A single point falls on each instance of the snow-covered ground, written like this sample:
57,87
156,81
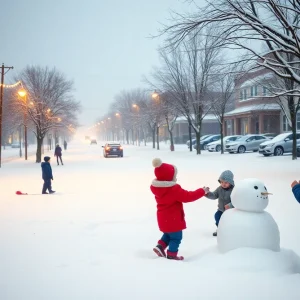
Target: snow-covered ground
10,153
93,239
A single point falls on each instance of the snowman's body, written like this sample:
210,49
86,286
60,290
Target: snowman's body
248,225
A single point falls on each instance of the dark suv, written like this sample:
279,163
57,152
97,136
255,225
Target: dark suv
93,141
112,149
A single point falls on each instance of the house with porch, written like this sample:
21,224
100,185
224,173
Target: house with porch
254,111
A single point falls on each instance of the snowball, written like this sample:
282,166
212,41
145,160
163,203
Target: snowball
238,229
250,195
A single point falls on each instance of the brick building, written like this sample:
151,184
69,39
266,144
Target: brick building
254,112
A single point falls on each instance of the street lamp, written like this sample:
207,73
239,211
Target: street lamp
138,129
155,96
23,94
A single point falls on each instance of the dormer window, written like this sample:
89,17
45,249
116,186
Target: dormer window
265,91
254,91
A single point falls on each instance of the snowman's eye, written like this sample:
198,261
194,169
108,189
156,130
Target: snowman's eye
256,187
265,188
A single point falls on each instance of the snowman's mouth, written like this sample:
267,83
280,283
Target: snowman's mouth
266,193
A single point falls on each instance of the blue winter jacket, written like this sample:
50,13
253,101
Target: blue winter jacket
46,171
296,191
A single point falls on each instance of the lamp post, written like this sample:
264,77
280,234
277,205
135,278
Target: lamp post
20,140
23,94
119,126
156,97
138,128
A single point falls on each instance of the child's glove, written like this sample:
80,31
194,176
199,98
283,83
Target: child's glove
228,206
206,190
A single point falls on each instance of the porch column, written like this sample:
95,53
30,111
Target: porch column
261,123
249,129
235,126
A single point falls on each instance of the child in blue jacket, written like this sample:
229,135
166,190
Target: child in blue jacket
296,189
47,175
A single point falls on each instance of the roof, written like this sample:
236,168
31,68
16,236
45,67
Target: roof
208,117
256,80
254,107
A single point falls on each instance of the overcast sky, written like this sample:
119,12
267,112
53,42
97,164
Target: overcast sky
104,46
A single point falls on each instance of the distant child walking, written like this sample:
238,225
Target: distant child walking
58,154
170,215
223,193
47,175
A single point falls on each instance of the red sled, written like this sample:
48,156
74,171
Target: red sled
20,193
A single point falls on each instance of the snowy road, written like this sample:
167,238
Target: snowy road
93,239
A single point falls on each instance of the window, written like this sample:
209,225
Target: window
298,120
259,137
241,95
265,91
245,94
253,91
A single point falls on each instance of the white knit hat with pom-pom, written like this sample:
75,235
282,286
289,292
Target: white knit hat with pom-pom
163,171
156,162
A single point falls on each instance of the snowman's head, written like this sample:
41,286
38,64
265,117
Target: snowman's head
250,195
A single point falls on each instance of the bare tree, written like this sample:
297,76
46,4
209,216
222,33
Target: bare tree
223,98
273,22
186,76
284,90
170,113
50,103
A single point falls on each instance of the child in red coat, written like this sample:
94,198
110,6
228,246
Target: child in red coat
170,215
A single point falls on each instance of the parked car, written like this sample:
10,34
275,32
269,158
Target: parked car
93,141
204,142
282,143
249,142
216,146
112,149
194,140
15,145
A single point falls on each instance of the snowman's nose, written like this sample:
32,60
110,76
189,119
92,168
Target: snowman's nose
266,193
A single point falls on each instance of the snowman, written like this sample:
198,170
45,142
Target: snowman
248,225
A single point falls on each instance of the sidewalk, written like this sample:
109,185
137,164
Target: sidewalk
8,154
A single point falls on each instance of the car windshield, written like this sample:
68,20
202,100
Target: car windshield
243,138
280,137
204,137
114,145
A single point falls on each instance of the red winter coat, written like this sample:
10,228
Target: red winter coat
170,214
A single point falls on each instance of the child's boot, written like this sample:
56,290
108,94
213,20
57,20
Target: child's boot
215,233
160,248
173,255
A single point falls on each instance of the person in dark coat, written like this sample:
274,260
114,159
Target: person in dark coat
170,197
65,145
58,154
47,175
296,189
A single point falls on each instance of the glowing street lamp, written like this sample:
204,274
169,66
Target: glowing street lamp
155,95
23,94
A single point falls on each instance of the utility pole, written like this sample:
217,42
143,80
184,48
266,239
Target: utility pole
3,68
